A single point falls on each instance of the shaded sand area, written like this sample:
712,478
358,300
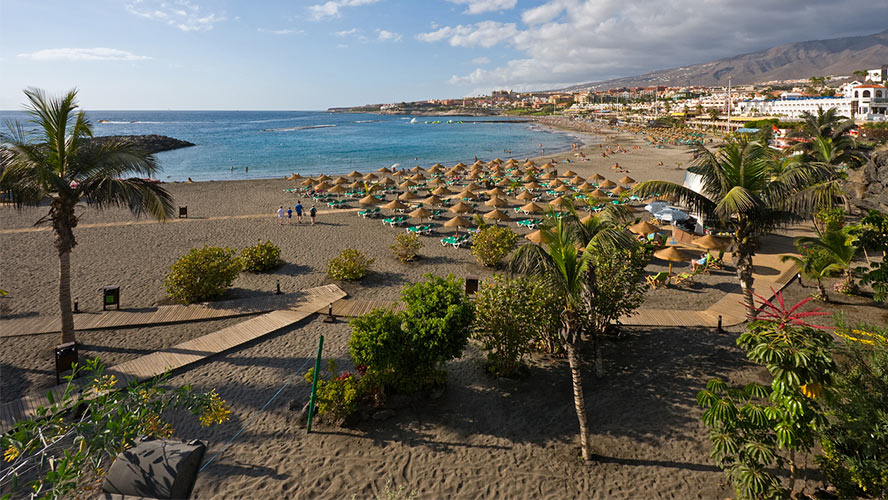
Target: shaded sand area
484,437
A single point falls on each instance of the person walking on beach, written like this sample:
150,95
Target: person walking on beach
312,213
289,215
281,215
298,209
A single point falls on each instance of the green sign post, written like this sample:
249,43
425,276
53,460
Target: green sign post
314,384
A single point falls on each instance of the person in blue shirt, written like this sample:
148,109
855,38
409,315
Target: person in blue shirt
312,213
298,209
289,215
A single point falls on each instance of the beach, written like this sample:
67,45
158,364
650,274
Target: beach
483,438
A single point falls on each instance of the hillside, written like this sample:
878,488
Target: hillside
837,56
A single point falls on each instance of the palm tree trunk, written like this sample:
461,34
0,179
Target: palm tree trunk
822,290
744,273
579,399
65,296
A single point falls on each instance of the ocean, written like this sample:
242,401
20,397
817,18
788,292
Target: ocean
269,144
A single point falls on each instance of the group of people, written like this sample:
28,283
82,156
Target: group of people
298,208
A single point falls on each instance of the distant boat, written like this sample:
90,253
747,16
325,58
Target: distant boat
413,120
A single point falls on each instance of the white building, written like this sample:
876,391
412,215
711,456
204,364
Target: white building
860,102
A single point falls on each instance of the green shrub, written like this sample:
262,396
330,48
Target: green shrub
511,315
202,274
351,264
260,257
407,349
855,439
406,246
339,395
492,244
830,219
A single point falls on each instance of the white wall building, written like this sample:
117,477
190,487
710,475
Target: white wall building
860,102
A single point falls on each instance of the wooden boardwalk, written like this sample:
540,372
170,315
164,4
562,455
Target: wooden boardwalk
351,308
310,301
176,313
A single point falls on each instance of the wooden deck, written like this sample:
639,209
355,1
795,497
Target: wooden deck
351,308
44,324
309,302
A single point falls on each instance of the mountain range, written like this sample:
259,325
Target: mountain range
801,60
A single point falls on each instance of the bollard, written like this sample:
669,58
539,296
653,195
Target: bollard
76,306
278,292
330,318
799,276
314,384
719,323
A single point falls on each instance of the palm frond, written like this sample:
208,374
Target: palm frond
140,196
697,202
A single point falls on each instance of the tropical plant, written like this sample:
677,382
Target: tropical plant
492,244
260,257
60,162
829,219
406,350
872,233
202,274
67,446
565,265
814,264
837,247
510,316
855,438
406,246
741,192
876,276
752,424
339,394
350,264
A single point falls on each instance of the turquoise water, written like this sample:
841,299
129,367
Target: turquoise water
278,143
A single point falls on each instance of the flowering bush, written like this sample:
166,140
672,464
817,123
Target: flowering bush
339,395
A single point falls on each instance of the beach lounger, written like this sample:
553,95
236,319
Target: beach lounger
657,280
395,221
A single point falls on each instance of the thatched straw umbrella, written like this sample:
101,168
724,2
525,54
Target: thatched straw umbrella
495,192
356,185
458,222
671,254
337,189
525,195
568,173
416,169
388,181
643,228
530,186
619,190
465,193
461,208
710,242
564,188
548,176
406,184
370,177
532,208
588,218
323,186
598,194
472,187
355,174
442,191
559,202
529,163
586,186
417,177
340,180
307,182
460,165
421,213
596,178
407,196
606,184
504,182
294,177
535,237
384,170
496,202
577,180
627,180
432,200
369,200
497,215
528,178
437,168
323,177
394,205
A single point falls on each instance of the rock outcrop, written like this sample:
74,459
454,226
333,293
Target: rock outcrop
151,143
868,186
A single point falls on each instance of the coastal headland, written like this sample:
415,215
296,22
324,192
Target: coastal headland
151,143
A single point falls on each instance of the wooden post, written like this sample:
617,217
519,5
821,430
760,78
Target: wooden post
314,384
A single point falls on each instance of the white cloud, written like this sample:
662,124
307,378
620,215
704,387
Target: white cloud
281,32
345,33
482,6
385,35
563,42
480,60
332,8
182,14
93,54
484,34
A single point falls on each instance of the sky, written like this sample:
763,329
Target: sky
315,54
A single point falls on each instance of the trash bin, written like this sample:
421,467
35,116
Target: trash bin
155,468
183,212
110,297
65,356
471,285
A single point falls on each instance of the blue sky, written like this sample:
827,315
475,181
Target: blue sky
203,54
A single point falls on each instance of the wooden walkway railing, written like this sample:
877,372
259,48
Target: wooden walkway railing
310,301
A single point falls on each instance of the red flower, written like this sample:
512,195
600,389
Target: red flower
783,316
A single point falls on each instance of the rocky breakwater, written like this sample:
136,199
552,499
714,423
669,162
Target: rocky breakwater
150,143
868,186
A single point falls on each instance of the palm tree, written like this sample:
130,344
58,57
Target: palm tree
564,262
741,191
814,266
824,144
60,163
838,248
